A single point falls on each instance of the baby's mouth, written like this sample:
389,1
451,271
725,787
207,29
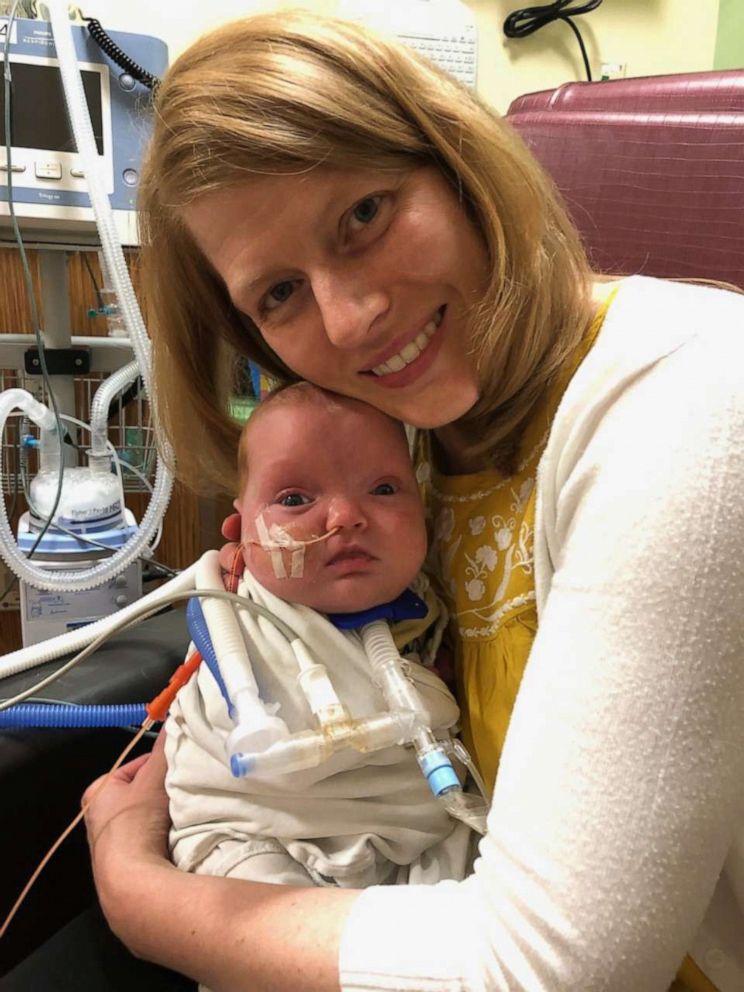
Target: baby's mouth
350,554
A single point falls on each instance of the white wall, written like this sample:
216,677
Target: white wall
650,36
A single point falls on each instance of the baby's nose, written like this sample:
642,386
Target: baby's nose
346,513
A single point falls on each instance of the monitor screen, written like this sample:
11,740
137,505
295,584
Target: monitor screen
38,110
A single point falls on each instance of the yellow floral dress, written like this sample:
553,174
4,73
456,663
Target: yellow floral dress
482,530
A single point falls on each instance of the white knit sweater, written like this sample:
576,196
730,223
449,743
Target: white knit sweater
621,787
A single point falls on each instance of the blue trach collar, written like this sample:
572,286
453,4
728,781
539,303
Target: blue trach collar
407,606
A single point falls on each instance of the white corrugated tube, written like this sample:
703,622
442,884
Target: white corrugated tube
74,640
99,408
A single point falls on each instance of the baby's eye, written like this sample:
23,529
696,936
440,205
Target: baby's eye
278,294
293,499
364,212
385,489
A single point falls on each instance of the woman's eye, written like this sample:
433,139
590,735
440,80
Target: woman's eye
293,499
278,294
385,489
364,212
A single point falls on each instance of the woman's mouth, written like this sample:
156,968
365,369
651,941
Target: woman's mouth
413,350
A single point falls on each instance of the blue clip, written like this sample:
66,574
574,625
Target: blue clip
407,606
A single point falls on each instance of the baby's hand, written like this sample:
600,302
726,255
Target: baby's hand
232,564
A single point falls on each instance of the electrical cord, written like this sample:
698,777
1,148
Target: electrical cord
107,44
526,20
91,273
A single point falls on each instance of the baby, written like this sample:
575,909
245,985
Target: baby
332,524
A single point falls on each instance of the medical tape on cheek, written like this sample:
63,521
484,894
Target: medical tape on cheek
275,540
297,558
277,562
297,563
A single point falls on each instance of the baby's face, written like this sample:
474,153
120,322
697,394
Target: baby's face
312,469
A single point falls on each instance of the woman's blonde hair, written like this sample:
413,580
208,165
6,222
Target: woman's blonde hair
285,93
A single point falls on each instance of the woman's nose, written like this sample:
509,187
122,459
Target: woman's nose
350,307
345,513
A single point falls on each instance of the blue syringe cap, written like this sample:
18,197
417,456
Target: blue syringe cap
241,764
440,774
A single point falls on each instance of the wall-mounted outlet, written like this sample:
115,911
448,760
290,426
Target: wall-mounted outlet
612,70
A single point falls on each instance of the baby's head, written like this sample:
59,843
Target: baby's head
313,464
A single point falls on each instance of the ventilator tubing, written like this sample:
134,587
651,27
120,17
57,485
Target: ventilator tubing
79,580
406,722
75,640
261,742
99,408
65,715
310,748
256,727
401,695
431,753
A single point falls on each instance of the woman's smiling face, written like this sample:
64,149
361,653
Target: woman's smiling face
361,282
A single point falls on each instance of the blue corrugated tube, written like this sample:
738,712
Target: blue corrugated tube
54,715
199,631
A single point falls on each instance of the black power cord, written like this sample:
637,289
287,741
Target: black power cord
92,275
527,20
107,44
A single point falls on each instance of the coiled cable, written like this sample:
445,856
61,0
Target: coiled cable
525,21
107,44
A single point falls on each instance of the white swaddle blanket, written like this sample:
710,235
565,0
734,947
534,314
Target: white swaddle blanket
356,820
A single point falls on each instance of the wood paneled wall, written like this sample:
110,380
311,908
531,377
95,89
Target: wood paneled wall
191,524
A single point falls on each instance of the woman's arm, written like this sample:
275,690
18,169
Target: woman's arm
228,934
620,787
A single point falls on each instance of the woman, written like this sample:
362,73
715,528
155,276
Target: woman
325,203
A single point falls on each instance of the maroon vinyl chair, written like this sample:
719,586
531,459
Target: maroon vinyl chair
651,169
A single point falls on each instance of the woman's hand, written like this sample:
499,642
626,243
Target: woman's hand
226,933
127,823
232,563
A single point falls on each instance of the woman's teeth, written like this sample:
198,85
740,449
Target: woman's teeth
411,351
